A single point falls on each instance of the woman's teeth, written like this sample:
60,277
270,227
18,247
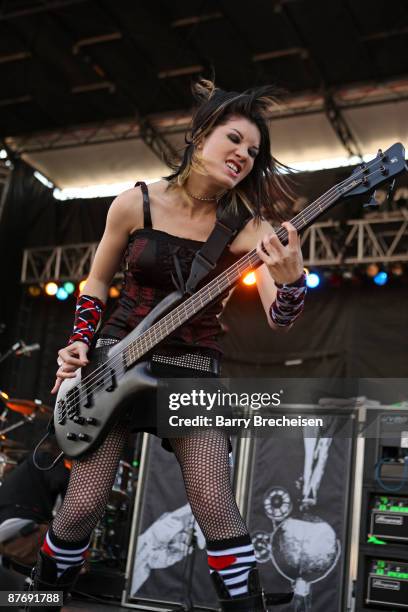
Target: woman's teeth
233,167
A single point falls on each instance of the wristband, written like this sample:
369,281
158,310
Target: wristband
300,282
88,313
289,302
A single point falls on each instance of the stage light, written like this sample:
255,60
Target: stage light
34,290
61,294
381,278
4,395
114,292
43,179
82,285
397,269
249,279
372,269
51,288
69,287
312,280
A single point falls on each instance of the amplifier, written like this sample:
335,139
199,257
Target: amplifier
387,583
389,517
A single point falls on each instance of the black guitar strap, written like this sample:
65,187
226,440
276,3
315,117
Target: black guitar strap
226,227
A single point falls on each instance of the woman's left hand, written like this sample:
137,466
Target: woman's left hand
285,263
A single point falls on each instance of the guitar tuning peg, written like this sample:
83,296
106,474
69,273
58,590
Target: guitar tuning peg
373,202
381,155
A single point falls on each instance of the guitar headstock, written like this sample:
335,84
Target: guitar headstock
383,168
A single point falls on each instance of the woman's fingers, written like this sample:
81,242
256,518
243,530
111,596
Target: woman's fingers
293,236
56,386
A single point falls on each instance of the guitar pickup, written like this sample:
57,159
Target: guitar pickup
88,403
72,402
113,383
61,412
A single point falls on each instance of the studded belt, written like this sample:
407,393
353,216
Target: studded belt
192,361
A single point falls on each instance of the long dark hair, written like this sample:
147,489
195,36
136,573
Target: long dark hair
266,190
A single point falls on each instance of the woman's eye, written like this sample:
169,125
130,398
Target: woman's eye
233,137
253,153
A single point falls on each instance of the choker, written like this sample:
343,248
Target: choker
202,199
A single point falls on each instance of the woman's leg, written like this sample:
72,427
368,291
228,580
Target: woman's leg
66,542
204,462
89,487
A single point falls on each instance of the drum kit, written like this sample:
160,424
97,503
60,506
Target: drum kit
16,413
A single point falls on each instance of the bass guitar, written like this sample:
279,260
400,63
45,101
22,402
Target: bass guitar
86,406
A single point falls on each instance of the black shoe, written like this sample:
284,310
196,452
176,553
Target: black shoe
255,601
45,578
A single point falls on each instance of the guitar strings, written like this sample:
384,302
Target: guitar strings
93,380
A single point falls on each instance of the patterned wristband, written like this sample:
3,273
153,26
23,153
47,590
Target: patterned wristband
289,303
88,313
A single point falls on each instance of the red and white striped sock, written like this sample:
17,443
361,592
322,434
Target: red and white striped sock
65,554
232,558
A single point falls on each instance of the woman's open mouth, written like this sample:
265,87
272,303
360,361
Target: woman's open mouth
233,167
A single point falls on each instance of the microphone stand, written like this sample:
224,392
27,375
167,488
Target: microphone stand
13,349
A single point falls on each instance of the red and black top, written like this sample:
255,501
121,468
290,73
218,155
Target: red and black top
149,267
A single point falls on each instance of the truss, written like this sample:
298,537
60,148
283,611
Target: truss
331,243
178,122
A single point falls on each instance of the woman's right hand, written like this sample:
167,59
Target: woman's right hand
70,358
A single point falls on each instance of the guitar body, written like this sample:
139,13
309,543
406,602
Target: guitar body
87,406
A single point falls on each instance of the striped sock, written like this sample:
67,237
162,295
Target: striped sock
232,558
65,554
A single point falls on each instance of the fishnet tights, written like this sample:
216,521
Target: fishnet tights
90,484
203,458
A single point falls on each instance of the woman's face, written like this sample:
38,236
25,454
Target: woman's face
228,153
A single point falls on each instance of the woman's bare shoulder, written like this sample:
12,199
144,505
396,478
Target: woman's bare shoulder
126,210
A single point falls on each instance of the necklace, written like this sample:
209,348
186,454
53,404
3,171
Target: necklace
202,199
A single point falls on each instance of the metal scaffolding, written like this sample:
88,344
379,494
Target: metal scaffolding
381,239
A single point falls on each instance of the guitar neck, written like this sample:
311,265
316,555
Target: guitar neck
225,281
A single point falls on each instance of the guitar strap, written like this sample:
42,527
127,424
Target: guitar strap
226,227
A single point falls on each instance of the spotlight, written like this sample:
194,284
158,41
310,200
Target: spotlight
61,294
372,269
51,288
34,290
312,280
381,278
249,279
114,292
397,269
82,285
69,287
